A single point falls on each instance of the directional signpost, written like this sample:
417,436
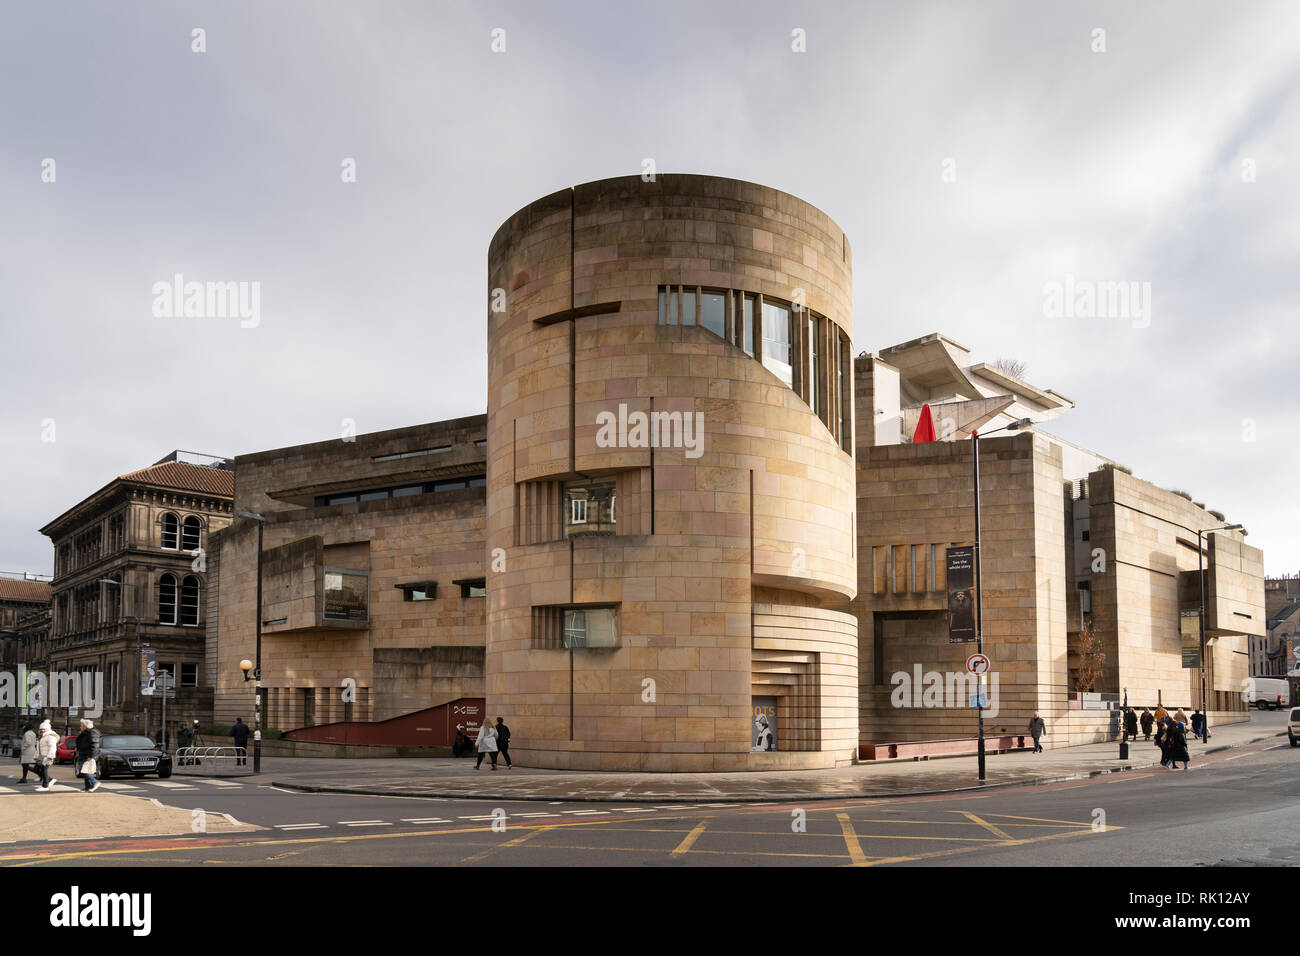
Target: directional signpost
979,664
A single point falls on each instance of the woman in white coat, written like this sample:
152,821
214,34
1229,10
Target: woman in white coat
47,750
487,745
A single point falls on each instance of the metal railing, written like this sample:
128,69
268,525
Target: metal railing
212,761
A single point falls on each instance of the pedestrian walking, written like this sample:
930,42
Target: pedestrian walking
1161,714
4,744
47,751
1180,717
1178,746
487,745
239,733
1162,729
27,752
1146,720
1130,723
1037,728
503,741
1198,723
88,754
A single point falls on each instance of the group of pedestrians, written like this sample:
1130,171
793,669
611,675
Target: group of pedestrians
39,749
491,741
1170,731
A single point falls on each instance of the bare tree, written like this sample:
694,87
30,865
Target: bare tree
1091,658
1013,367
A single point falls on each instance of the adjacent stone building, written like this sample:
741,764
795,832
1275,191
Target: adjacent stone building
373,574
129,579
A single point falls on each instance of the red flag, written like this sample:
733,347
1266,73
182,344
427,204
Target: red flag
925,427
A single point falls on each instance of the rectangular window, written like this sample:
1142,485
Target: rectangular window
189,675
814,365
776,341
589,627
420,591
372,495
347,595
413,454
472,587
747,326
713,313
846,396
407,491
1085,534
688,308
667,305
589,506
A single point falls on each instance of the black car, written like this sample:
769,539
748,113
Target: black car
122,754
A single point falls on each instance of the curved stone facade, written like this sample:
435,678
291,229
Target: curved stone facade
671,518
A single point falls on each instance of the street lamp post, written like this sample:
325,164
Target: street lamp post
979,577
1200,572
257,664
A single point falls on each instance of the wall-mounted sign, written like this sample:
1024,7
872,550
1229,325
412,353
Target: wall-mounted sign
961,595
347,595
1189,626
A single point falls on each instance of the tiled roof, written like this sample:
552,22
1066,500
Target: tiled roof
186,477
37,592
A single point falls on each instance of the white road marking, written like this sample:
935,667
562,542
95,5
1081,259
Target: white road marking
636,810
536,814
424,820
490,816
216,783
363,823
587,813
301,826
112,785
168,785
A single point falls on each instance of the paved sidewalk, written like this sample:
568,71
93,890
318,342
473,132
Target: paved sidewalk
457,778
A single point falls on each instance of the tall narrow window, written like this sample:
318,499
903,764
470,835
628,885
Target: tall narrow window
167,599
747,326
713,313
578,508
688,308
846,395
813,366
170,532
190,601
190,534
776,341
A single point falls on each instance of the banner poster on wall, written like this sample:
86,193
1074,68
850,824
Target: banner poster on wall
961,595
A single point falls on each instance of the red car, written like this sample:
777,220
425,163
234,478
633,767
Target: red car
67,750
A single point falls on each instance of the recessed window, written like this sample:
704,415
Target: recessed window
170,532
190,534
472,587
372,495
589,627
419,591
688,308
413,454
408,490
167,599
1085,534
713,313
747,326
189,675
814,364
776,342
590,506
190,601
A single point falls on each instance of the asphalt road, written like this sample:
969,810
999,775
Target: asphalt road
1235,808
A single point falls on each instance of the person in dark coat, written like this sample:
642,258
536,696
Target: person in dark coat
1162,729
1036,729
1177,746
1130,723
239,733
1147,720
87,750
503,741
1198,723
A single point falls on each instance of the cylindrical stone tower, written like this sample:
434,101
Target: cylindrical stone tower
671,493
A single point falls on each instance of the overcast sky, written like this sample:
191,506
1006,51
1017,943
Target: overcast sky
1170,158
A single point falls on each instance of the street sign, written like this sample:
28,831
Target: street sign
979,700
978,664
1297,652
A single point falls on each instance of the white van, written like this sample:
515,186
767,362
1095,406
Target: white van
1268,693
